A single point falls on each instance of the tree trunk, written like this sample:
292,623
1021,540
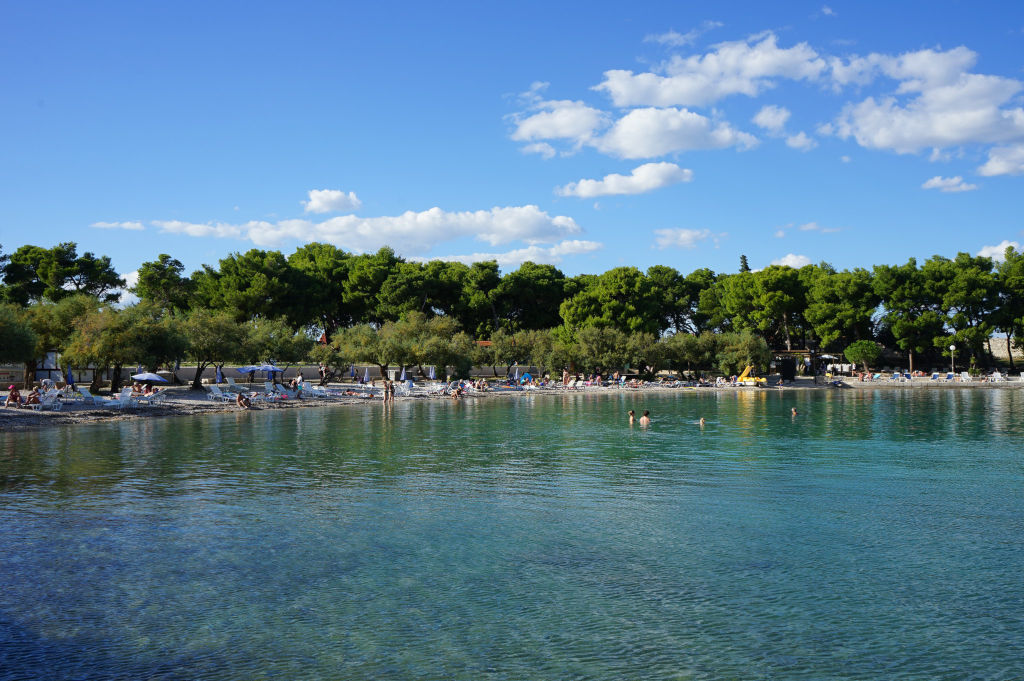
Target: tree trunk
910,359
785,326
115,379
1009,351
30,374
197,381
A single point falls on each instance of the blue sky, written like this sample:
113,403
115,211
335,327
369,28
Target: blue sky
587,135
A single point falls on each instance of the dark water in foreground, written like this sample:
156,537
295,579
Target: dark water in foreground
874,536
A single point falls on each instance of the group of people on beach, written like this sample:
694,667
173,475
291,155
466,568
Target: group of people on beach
14,398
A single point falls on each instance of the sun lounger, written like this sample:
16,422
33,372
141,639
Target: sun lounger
949,376
87,396
218,395
51,400
153,399
232,386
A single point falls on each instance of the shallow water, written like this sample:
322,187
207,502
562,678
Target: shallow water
874,535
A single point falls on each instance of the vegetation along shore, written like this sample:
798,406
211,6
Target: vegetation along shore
323,305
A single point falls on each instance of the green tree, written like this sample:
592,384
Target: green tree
322,270
530,297
33,273
1009,310
622,298
160,282
841,306
277,342
912,308
214,337
863,352
737,350
17,339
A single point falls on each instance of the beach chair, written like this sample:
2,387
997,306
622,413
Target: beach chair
51,400
314,391
935,376
998,377
965,377
950,376
232,386
155,399
218,395
87,396
124,400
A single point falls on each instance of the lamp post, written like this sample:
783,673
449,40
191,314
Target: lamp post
952,359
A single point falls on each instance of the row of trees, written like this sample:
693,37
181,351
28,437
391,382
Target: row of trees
915,309
87,331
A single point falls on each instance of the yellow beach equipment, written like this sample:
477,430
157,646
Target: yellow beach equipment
746,379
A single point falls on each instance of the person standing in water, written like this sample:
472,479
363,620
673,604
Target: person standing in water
793,411
645,420
632,416
701,421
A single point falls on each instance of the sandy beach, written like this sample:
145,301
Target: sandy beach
182,401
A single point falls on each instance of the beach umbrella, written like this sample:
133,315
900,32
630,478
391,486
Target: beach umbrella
70,378
148,377
402,377
352,371
432,374
219,376
516,376
366,375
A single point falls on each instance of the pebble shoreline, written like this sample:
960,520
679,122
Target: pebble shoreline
181,401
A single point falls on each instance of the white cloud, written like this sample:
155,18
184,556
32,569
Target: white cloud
998,252
683,238
772,118
645,178
648,133
134,226
791,260
828,11
127,297
674,39
844,159
542,148
567,120
745,67
949,184
331,201
937,102
801,141
815,227
410,232
1004,161
546,255
780,233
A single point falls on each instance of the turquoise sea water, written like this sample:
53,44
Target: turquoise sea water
873,536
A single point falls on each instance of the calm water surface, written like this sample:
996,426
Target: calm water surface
873,536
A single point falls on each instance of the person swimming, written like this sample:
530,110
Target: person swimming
632,416
793,411
645,420
701,422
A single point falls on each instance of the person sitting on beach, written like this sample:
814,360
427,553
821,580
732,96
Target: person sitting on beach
13,397
33,397
136,388
645,420
243,401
